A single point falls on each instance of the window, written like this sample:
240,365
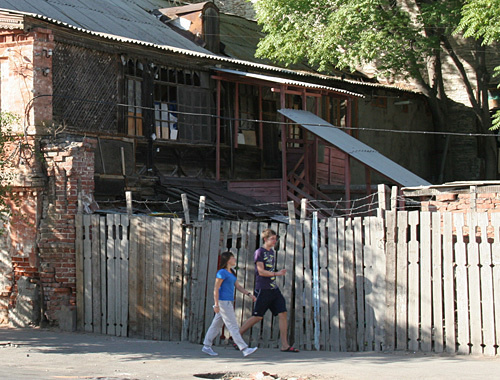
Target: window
165,101
133,83
179,108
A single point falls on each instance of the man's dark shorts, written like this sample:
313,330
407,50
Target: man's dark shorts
271,299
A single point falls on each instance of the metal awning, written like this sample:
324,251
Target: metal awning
289,82
354,148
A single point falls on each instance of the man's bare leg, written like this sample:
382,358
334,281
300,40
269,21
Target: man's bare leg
249,323
283,323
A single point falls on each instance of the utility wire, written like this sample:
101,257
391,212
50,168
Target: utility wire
257,121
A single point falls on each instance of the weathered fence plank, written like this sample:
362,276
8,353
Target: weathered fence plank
324,284
104,277
390,275
111,274
299,288
80,271
333,290
378,235
448,283
341,283
87,277
369,283
462,291
158,242
133,274
413,282
402,282
359,282
253,241
425,283
495,249
474,286
487,313
96,275
437,284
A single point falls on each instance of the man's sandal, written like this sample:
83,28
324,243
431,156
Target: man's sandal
290,349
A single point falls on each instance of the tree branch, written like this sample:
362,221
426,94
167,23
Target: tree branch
458,64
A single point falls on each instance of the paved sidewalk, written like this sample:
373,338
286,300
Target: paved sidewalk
49,354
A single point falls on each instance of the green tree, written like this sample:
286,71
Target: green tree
481,20
7,121
404,39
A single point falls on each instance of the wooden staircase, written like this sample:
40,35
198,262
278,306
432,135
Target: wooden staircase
299,188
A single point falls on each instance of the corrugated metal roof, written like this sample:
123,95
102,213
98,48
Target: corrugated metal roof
354,148
130,20
290,82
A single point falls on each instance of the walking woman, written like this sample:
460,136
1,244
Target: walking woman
225,282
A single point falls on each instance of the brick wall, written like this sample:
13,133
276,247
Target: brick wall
70,171
463,202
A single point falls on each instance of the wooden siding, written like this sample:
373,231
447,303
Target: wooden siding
268,191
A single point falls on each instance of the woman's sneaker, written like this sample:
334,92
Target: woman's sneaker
208,350
248,351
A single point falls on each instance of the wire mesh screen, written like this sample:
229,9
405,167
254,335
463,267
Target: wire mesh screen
85,89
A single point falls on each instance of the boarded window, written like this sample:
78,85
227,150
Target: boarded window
194,121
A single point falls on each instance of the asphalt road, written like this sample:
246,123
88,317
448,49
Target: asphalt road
51,354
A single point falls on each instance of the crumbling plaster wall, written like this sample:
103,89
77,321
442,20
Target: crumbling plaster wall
26,76
37,249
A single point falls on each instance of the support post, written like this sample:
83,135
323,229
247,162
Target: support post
185,206
201,209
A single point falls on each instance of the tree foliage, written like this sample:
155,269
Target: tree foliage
347,34
402,39
481,20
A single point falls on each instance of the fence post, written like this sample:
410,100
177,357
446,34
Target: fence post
394,198
291,212
303,210
128,197
187,269
315,260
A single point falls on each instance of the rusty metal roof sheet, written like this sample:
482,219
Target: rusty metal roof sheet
354,148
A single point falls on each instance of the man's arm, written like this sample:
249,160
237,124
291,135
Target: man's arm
266,273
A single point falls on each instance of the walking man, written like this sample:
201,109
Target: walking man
266,290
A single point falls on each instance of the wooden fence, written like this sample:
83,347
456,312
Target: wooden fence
417,281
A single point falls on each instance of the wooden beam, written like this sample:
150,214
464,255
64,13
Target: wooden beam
283,148
217,149
236,114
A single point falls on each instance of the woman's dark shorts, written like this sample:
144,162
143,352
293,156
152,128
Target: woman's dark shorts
271,299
